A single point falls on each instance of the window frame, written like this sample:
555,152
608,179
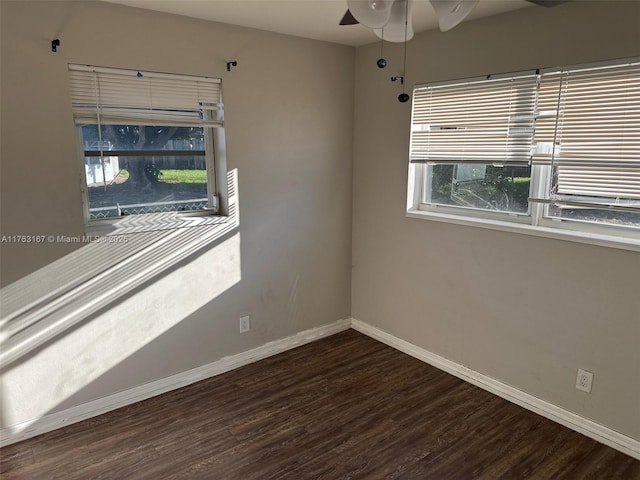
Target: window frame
216,172
537,222
487,214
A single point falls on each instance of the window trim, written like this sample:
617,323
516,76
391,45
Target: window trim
621,243
501,221
218,197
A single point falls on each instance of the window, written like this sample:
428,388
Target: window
151,142
558,149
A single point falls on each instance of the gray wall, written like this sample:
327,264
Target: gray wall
527,311
289,109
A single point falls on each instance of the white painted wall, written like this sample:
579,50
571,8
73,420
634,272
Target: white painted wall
289,109
526,311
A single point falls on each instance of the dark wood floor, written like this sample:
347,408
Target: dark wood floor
345,407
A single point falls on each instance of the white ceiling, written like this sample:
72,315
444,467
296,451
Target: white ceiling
315,19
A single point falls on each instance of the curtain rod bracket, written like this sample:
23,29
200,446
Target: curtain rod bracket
393,79
233,63
55,44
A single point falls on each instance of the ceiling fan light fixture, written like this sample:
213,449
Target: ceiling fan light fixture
371,13
451,12
394,30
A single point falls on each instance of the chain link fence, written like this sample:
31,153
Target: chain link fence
141,208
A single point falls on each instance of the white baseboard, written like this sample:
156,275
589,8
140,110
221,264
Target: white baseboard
53,421
598,432
47,423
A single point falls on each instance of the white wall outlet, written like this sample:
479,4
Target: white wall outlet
584,380
245,324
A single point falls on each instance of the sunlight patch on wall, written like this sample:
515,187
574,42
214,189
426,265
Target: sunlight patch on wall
38,384
53,299
72,321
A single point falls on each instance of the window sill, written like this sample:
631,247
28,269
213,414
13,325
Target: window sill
152,222
623,243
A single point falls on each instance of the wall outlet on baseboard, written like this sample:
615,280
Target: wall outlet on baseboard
245,324
584,380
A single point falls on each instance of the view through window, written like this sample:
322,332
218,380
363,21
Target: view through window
144,169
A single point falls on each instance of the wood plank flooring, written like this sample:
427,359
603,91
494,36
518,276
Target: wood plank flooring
345,407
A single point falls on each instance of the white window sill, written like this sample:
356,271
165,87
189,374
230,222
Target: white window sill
152,222
623,243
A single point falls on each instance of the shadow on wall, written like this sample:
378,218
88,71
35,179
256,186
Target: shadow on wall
137,289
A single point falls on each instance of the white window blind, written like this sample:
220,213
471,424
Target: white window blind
588,129
488,121
117,96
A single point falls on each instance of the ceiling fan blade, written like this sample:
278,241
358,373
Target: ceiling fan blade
348,19
451,12
548,3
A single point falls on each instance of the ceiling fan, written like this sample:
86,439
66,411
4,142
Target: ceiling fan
548,3
387,17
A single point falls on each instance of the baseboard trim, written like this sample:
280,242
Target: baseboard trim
24,430
564,417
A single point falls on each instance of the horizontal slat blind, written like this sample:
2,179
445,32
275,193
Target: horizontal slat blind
483,121
589,130
598,117
599,181
129,96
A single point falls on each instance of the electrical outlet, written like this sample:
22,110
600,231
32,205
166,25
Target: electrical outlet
245,324
584,380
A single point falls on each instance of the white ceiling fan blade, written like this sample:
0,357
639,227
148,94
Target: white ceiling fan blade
451,12
371,13
394,29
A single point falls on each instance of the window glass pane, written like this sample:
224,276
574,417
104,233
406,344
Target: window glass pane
589,185
486,187
140,137
148,184
137,184
597,215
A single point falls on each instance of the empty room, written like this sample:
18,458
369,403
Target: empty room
320,239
